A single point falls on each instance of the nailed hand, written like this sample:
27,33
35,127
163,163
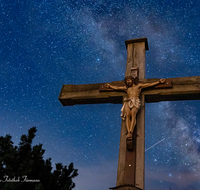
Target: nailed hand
107,85
162,80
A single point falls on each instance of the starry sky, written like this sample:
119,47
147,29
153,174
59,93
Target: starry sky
47,43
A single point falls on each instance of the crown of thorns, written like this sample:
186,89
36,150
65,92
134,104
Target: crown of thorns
128,77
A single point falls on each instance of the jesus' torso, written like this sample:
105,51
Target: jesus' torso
134,91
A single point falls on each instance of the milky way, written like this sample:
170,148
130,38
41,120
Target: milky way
45,44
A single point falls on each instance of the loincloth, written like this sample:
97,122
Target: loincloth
131,102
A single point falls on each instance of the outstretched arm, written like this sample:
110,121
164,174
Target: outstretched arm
116,87
161,81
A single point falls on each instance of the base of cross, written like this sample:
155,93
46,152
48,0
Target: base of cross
125,187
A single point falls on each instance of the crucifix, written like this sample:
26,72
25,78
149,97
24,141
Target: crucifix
132,103
130,174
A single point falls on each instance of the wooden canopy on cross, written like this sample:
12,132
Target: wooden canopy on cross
130,174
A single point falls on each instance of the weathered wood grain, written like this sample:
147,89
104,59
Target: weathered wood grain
184,88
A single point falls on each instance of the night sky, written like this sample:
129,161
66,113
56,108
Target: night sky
47,43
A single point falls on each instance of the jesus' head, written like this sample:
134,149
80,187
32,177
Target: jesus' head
129,80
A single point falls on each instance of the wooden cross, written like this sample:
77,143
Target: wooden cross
130,175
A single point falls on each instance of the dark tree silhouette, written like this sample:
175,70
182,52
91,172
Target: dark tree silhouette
23,167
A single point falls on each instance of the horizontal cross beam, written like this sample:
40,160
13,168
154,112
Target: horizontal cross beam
185,88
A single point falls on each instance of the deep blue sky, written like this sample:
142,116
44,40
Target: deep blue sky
47,43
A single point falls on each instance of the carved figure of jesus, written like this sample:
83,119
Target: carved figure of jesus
132,103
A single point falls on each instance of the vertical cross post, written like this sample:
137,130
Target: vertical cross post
130,174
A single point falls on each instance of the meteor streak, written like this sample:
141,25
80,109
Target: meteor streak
155,144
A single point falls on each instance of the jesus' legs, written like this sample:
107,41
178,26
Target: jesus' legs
133,112
128,118
128,121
